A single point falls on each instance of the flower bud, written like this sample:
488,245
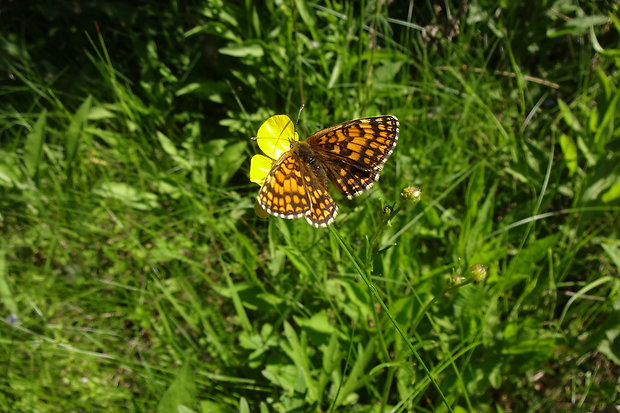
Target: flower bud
456,279
411,194
478,273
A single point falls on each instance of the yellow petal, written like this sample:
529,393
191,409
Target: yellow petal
260,166
275,134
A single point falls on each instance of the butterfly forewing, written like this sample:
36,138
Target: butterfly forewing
364,143
284,192
354,152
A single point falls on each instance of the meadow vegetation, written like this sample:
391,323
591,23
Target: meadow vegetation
136,276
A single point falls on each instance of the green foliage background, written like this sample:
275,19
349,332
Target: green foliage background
135,275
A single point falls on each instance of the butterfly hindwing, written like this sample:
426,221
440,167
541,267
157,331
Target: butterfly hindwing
323,208
284,192
350,180
292,190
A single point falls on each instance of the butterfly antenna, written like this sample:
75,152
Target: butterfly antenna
297,121
299,114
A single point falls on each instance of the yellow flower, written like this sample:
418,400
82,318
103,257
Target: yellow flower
274,138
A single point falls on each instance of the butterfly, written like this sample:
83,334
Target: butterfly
294,175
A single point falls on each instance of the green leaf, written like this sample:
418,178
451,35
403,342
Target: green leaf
612,193
180,394
171,150
584,149
189,88
304,10
610,346
495,377
386,73
357,375
33,150
593,120
336,71
475,189
578,26
612,249
10,175
207,406
318,323
569,149
607,124
229,160
167,144
6,296
581,24
605,176
74,133
102,112
468,238
282,375
569,117
296,348
605,83
525,262
244,407
127,195
332,353
243,50
74,136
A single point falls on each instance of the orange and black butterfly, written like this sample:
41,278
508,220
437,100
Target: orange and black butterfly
350,155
